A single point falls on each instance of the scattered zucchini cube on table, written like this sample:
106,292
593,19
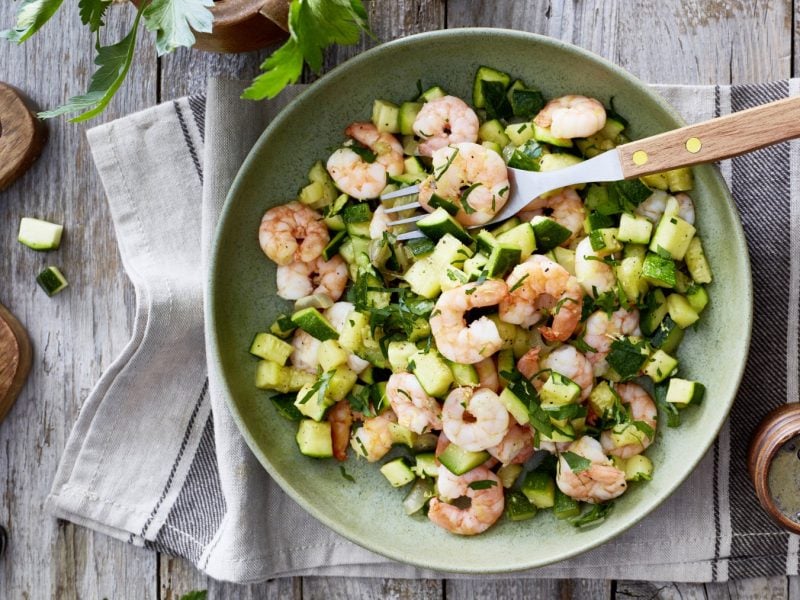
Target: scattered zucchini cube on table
39,235
52,281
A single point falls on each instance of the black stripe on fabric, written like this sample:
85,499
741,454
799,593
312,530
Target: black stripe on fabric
188,139
717,528
197,104
177,462
761,185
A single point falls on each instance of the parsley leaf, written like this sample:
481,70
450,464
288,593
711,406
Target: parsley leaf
673,415
173,21
482,484
313,26
114,62
359,401
31,15
466,205
284,405
577,463
346,475
524,390
320,386
596,514
365,153
92,12
627,357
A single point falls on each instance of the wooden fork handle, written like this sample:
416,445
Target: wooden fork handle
713,140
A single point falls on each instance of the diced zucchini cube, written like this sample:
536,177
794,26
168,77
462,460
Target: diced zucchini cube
660,366
658,270
672,236
508,474
518,507
522,237
629,276
399,352
352,336
312,403
602,399
272,376
269,347
697,297
492,131
315,324
558,390
634,229
452,277
408,114
402,435
604,241
385,116
539,488
680,180
507,331
450,251
331,355
565,257
548,233
426,465
565,507
464,375
681,311
556,162
432,372
638,468
39,235
683,392
656,181
696,262
519,133
423,278
314,439
543,134
515,406
458,461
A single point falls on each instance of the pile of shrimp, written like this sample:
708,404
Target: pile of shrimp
539,296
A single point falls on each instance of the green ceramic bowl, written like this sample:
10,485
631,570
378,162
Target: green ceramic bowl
242,297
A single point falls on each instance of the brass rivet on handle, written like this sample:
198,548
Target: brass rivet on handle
639,158
693,145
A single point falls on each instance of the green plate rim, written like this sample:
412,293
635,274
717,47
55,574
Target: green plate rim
211,323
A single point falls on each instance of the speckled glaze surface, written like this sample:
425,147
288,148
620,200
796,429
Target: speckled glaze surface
242,301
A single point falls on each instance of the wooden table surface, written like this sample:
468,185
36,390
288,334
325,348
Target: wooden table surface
667,41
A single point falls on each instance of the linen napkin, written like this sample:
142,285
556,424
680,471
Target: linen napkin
156,459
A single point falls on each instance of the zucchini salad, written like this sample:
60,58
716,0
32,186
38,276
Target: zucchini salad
514,368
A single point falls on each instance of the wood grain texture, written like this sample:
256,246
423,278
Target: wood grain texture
47,559
532,589
15,359
717,139
765,588
355,588
22,135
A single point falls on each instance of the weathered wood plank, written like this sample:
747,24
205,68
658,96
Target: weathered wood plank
652,590
356,588
531,589
46,559
793,584
179,577
673,41
762,588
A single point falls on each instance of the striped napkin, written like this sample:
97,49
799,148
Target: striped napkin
155,458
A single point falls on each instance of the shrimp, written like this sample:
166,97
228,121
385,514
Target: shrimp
565,207
474,419
600,482
642,409
355,176
595,276
572,117
487,374
379,223
537,284
318,276
567,361
444,121
337,315
656,204
374,438
486,504
516,447
601,329
341,419
292,232
528,364
457,341
414,408
472,178
304,355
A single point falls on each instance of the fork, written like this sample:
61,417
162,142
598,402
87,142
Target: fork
705,142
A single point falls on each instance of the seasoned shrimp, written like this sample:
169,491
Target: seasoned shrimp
355,176
486,504
457,341
539,284
567,361
379,223
600,482
304,355
292,232
337,316
516,447
444,121
471,177
654,206
318,276
528,363
474,419
374,438
594,275
572,116
487,374
341,419
414,408
602,329
643,410
565,207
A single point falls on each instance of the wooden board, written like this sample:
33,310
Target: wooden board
22,135
15,359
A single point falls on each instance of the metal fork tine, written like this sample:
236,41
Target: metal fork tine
410,235
413,219
402,207
406,191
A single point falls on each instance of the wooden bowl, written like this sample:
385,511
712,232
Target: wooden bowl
243,25
777,428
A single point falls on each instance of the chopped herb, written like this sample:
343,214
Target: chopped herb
482,484
621,295
561,303
673,221
518,283
446,166
359,401
346,475
577,464
596,514
644,428
361,445
320,386
411,366
627,357
284,404
580,344
502,191
673,415
464,204
365,153
405,393
523,389
470,291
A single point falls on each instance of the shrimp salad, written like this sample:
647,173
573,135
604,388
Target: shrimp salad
510,369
